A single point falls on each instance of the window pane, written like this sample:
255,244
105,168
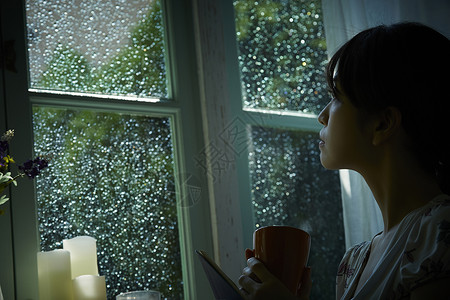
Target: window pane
290,187
111,176
110,47
282,54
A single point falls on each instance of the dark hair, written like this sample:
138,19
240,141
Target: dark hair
405,65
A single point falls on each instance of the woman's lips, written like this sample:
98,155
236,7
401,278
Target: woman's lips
321,141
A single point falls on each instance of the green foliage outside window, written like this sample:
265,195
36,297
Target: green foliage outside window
282,57
282,54
138,69
111,175
290,187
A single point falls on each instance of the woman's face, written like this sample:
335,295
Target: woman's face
345,138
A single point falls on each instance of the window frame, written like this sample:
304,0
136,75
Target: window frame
215,29
205,97
20,225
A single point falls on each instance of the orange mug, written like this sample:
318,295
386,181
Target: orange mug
284,250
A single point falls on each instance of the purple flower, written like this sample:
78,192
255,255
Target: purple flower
32,168
41,163
26,165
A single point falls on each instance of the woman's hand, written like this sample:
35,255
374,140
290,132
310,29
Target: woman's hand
257,283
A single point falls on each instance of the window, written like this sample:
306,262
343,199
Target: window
112,174
282,56
112,178
111,47
136,138
104,100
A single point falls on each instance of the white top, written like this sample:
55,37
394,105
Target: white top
419,252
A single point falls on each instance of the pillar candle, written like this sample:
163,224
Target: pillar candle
54,275
83,255
89,287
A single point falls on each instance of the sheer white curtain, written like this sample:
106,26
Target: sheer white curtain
343,19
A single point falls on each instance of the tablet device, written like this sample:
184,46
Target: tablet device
223,287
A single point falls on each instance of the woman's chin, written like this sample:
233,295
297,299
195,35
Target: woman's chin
327,163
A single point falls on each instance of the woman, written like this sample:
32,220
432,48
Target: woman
388,120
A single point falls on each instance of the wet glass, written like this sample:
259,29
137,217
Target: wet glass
282,54
111,176
290,187
282,57
108,47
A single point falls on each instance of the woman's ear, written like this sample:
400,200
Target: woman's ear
387,124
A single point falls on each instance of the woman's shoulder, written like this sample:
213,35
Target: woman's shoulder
426,253
440,205
428,231
416,226
433,220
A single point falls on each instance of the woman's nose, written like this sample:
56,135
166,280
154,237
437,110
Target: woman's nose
323,116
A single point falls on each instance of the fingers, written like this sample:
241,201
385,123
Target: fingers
247,284
248,272
267,288
258,268
250,280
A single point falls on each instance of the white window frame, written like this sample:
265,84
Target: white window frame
19,224
217,52
206,98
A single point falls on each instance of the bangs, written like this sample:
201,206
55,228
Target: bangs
356,66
